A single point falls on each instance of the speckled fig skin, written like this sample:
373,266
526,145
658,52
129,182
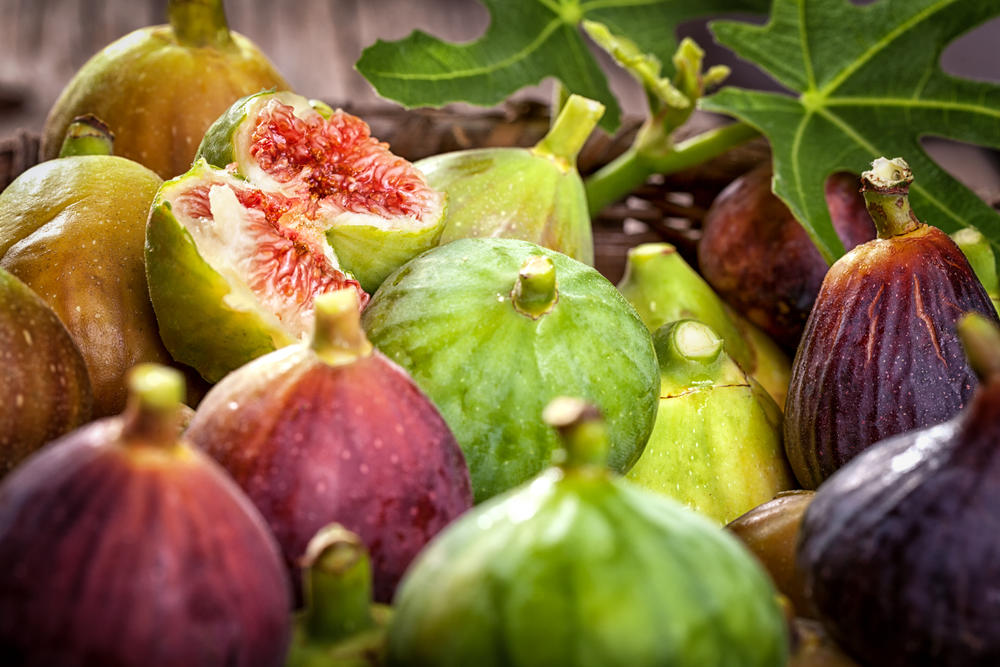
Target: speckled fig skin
44,386
899,548
759,258
357,443
121,549
880,354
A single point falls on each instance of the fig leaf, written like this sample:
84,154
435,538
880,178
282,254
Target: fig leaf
527,41
868,82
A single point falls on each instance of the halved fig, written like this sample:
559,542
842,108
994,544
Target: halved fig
375,207
233,269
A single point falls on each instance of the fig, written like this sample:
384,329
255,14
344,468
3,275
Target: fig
899,546
716,443
493,329
771,532
331,430
663,288
581,567
533,194
325,167
340,626
120,544
160,87
757,256
72,230
880,355
44,387
979,252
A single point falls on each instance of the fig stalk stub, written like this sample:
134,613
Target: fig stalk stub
337,585
981,339
536,290
337,335
582,430
152,414
886,187
87,135
569,132
198,23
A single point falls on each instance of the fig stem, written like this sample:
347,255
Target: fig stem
197,23
338,338
337,585
581,429
153,412
631,169
979,252
575,122
536,290
981,339
691,354
87,135
886,187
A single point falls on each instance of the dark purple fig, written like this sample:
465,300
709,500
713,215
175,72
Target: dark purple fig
758,257
812,646
899,548
122,545
44,386
771,532
880,354
333,431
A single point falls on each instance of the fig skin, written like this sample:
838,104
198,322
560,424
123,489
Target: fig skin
355,442
160,87
899,547
122,545
880,354
758,257
44,386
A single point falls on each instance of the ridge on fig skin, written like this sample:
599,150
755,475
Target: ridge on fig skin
880,354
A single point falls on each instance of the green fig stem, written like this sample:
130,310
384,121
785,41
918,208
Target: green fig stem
576,120
886,187
536,290
631,169
198,23
337,585
87,135
981,338
693,341
338,338
582,429
153,413
980,255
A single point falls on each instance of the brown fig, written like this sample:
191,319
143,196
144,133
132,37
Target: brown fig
44,387
758,257
771,532
880,354
899,547
122,545
333,431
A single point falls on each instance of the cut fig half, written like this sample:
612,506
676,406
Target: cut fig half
233,269
375,207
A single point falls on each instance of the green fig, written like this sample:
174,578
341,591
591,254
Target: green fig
340,626
581,567
663,288
44,387
72,229
160,87
533,194
980,254
716,443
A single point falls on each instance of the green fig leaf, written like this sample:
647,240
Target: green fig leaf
526,42
869,84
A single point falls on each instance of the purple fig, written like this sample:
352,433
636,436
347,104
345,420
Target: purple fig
122,545
333,431
880,354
